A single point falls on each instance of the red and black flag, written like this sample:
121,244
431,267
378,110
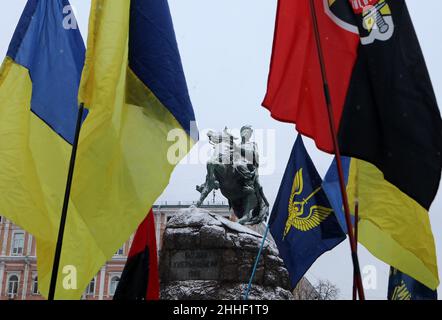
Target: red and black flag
139,280
391,117
384,108
295,86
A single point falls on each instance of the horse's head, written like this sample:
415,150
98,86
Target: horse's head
214,137
220,137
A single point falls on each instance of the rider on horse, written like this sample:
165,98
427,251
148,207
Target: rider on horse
237,167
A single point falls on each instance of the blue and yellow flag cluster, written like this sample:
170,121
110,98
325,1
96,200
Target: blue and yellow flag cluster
303,223
137,128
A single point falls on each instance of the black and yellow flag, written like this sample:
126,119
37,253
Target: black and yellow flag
392,129
391,118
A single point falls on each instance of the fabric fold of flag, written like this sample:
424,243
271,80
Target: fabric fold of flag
140,279
302,222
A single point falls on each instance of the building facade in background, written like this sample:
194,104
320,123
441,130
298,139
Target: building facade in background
18,260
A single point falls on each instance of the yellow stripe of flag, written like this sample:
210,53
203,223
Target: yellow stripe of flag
393,226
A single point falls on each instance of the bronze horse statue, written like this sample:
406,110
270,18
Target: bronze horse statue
233,169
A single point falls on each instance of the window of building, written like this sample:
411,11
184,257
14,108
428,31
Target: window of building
18,244
12,286
113,285
35,285
120,251
90,291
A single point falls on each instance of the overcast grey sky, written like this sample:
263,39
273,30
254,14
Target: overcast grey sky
225,47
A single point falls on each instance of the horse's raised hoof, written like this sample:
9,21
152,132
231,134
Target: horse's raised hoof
216,185
199,188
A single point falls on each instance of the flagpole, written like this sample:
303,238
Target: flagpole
249,286
64,211
356,239
351,238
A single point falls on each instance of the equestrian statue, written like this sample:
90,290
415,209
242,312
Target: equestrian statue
233,169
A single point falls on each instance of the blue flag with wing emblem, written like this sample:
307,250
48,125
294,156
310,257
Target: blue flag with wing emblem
303,223
404,287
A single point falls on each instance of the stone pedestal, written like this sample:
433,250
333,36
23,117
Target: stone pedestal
206,256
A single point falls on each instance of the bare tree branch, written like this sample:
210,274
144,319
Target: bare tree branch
324,290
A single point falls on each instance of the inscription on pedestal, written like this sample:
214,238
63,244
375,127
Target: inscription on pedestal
195,265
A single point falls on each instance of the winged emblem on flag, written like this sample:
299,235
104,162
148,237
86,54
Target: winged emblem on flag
401,292
297,205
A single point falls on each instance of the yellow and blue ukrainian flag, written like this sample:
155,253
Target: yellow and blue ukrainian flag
139,123
39,81
404,287
138,127
303,223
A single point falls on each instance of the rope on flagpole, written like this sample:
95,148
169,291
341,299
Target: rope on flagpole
64,211
333,131
258,256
